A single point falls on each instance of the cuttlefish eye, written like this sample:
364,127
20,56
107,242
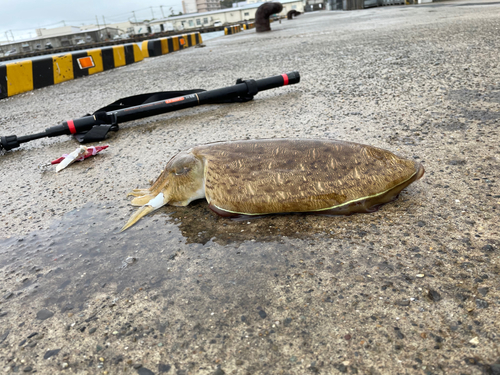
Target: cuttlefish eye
182,171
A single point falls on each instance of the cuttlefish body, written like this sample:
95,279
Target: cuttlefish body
269,176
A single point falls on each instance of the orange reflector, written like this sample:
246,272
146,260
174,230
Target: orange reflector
86,62
181,41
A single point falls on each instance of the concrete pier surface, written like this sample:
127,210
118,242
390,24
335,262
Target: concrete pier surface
410,289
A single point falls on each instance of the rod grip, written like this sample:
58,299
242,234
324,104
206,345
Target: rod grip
9,142
293,77
278,81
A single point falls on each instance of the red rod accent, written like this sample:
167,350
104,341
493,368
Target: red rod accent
285,79
71,126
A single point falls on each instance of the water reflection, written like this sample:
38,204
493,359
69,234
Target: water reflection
83,254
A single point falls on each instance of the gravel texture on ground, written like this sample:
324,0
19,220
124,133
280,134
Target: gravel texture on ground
412,288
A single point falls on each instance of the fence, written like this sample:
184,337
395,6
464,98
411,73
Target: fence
27,75
162,46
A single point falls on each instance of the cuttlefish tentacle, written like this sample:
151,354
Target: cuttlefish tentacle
142,200
153,203
139,192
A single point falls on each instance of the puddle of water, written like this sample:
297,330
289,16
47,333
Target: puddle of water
183,250
198,224
76,256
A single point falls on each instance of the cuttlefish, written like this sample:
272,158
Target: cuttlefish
270,176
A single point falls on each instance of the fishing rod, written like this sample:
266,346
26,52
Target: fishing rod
95,127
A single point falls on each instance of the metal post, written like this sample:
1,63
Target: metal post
105,31
98,29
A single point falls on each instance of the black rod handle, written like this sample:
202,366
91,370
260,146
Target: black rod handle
241,89
154,108
250,87
66,128
278,81
9,142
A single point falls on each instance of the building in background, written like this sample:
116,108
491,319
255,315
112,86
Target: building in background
68,36
189,6
125,27
59,37
313,5
57,31
199,6
240,4
228,16
207,5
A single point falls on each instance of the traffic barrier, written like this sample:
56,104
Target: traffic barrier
162,46
232,29
248,25
23,76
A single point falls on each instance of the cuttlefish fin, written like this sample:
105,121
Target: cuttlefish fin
153,203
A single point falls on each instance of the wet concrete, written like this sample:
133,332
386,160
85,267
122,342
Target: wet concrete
412,288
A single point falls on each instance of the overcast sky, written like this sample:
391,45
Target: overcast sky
24,16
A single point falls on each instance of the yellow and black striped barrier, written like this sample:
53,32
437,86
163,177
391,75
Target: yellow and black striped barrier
19,77
162,46
248,25
232,29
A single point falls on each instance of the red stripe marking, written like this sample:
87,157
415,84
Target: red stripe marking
285,79
71,126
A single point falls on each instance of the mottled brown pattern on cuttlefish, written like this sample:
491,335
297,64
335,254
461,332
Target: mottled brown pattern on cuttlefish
278,176
297,175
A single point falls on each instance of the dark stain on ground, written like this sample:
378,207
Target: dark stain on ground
83,252
198,224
